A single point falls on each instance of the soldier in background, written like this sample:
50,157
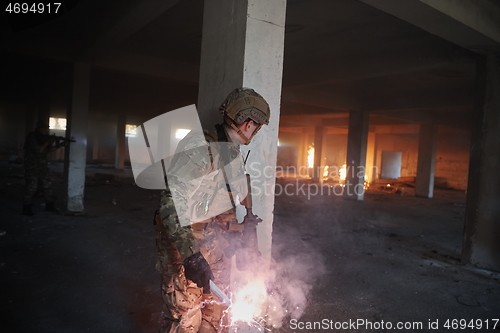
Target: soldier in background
36,147
194,252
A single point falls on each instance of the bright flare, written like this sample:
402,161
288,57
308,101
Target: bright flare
325,172
249,302
343,172
310,157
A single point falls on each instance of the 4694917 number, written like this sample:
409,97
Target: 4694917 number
478,324
35,8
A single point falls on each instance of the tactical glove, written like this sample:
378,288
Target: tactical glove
197,269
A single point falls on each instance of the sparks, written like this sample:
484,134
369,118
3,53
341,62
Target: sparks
249,302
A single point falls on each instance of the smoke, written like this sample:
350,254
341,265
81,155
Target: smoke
278,294
289,285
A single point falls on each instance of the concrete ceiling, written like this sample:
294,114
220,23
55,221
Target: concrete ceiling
340,55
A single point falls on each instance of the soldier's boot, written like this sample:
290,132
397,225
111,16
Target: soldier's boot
27,210
49,207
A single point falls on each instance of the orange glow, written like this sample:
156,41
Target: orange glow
325,172
343,172
310,157
249,302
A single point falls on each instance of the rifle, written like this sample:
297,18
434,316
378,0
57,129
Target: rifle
59,140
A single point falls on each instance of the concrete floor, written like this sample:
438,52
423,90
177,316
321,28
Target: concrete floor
392,258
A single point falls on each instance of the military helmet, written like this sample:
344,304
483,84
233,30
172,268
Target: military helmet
243,104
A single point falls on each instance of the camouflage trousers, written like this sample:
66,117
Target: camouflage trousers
185,307
34,176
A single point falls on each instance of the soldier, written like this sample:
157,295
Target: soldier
194,238
36,147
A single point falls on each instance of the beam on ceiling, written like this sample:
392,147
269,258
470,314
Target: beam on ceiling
136,19
147,65
290,107
460,119
470,24
298,100
427,58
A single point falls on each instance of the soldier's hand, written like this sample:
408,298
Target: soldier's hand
250,217
197,269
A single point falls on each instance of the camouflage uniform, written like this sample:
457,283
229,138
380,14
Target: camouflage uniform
36,168
186,308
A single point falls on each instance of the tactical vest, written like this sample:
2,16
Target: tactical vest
209,173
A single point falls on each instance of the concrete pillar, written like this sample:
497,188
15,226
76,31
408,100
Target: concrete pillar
424,183
94,123
481,245
370,158
242,46
317,174
30,119
302,155
356,155
95,146
377,159
76,128
120,141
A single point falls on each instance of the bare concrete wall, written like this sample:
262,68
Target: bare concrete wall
12,129
335,149
102,133
452,159
102,126
452,155
405,143
288,149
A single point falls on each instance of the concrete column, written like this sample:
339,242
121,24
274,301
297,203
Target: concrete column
120,141
21,134
95,146
94,123
30,118
377,159
323,153
318,153
424,183
356,155
242,46
76,128
302,155
370,158
482,213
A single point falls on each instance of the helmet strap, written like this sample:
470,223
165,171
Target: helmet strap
231,123
255,132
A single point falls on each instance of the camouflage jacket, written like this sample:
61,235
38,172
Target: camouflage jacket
197,186
35,155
